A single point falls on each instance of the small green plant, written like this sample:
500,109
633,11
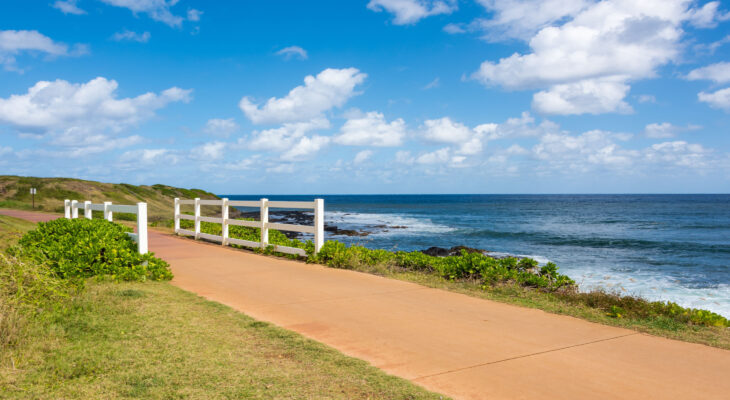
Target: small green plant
86,247
616,312
466,266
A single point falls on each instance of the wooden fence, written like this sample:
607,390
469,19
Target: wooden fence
263,224
72,207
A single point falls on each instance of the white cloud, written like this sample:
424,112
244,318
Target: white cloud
281,168
284,137
661,131
678,153
569,153
83,116
209,151
362,156
220,127
330,88
411,11
594,150
444,130
158,10
718,72
77,144
647,98
707,16
454,29
584,65
68,7
589,96
719,99
13,43
194,15
90,106
371,129
244,164
468,141
710,48
433,84
521,19
143,37
436,157
306,148
145,158
293,51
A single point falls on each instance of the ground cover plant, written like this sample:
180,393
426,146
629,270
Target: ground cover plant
82,248
80,338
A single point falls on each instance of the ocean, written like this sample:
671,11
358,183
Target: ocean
661,247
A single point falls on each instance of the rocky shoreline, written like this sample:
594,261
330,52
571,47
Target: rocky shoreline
307,218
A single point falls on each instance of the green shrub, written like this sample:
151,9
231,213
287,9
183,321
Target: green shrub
467,266
90,247
617,305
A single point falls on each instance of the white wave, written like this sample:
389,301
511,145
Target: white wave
383,224
652,286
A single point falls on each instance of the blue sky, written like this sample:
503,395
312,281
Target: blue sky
380,96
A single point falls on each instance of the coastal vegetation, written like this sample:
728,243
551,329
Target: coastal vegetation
92,330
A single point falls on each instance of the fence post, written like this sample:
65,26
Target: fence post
318,224
87,209
142,228
177,215
224,223
74,209
108,211
67,209
197,218
264,223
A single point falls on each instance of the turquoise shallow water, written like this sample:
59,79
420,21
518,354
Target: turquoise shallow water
663,247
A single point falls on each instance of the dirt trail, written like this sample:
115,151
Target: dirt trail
454,344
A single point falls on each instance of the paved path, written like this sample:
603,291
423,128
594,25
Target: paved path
450,343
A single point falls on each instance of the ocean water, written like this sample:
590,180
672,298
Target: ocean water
662,247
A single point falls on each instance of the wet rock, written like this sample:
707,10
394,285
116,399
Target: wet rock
344,232
454,251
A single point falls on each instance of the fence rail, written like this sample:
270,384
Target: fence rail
263,205
72,207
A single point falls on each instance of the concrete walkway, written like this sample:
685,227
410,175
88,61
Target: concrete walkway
450,343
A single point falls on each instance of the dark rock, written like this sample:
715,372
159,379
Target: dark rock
454,251
344,232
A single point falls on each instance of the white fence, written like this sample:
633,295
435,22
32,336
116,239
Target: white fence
71,210
264,205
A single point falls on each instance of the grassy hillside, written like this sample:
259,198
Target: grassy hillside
15,193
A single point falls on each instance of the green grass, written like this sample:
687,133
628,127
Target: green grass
110,340
152,340
12,229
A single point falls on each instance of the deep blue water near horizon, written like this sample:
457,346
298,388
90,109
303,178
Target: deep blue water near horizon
664,247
